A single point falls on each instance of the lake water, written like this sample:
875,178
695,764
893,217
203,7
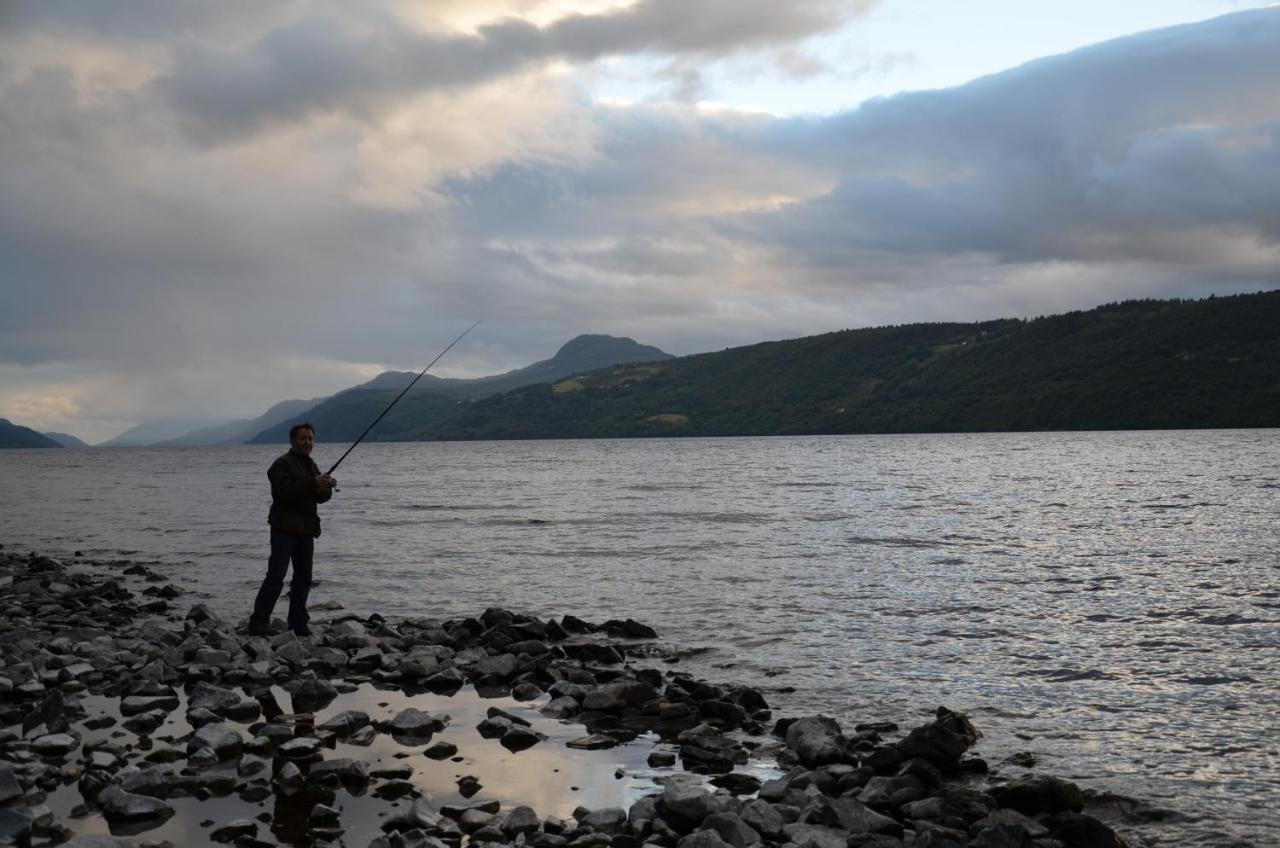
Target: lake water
1108,602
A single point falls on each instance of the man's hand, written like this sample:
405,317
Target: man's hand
326,482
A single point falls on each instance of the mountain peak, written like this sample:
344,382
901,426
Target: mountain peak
598,351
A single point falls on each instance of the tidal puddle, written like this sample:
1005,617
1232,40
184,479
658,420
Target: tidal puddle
549,777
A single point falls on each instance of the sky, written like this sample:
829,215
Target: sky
206,208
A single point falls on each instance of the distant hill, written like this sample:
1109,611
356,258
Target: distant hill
1148,364
16,436
149,433
66,440
239,432
345,415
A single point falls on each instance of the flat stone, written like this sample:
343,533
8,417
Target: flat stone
118,805
594,742
224,740
54,744
234,830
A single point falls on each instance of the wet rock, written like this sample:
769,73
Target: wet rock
414,722
1002,835
345,722
493,727
135,704
594,742
313,695
663,759
520,738
1013,817
816,741
526,692
1035,794
815,836
612,697
1084,831
732,829
54,744
441,750
501,667
520,820
687,806
9,786
343,769
300,748
562,707
419,816
222,739
290,777
15,825
468,785
118,805
323,815
234,830
474,819
608,819
761,817
942,741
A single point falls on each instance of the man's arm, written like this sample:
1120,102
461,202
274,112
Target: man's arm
291,488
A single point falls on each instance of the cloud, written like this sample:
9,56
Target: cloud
207,228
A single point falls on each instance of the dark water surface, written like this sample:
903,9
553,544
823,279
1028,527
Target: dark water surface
1108,602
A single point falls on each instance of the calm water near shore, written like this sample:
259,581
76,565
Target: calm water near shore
1108,602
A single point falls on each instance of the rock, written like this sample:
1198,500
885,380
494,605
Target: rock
848,814
763,818
942,741
612,697
134,704
118,805
1002,835
661,759
420,815
203,758
345,722
562,707
207,696
474,819
502,666
54,744
526,692
322,814
1035,794
608,819
414,722
9,786
735,783
815,836
816,741
468,785
201,716
594,742
313,695
702,839
520,738
732,829
1008,816
290,777
687,806
225,741
1084,831
346,770
234,830
494,727
15,826
441,751
299,748
520,820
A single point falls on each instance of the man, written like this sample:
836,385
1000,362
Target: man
296,487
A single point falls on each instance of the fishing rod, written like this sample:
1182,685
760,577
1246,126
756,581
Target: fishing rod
402,394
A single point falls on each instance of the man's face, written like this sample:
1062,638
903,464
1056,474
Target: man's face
303,441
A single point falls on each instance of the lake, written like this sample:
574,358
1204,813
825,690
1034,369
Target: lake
1107,602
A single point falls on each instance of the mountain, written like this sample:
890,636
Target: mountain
344,416
16,436
150,432
1146,364
66,440
238,432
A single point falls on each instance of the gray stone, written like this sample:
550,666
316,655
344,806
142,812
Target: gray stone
234,830
608,819
290,777
346,770
9,786
134,704
763,818
614,696
15,825
225,741
54,744
300,748
688,805
521,820
702,839
216,699
1004,835
312,695
346,722
502,666
100,840
732,829
420,815
997,817
521,738
562,707
815,836
414,722
1035,794
816,741
118,805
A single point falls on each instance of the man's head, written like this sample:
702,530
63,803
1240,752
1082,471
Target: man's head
302,438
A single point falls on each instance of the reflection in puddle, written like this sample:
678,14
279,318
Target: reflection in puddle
549,777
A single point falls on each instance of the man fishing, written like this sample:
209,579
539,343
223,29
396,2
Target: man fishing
297,486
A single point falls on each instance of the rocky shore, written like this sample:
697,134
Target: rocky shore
124,711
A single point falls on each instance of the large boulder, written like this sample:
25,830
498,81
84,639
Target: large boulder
220,738
614,696
816,741
941,741
118,805
1036,794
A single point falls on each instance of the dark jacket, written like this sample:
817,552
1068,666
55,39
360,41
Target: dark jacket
294,495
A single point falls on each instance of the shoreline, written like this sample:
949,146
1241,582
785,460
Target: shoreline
125,711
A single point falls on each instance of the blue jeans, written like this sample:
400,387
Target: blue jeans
286,547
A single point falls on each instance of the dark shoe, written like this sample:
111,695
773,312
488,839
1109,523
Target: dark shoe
301,630
256,629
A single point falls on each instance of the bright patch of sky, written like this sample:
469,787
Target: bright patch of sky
900,45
